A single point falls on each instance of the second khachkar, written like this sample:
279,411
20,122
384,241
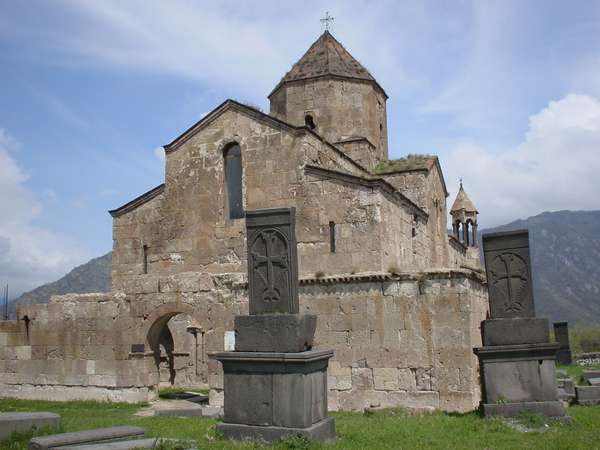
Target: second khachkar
275,384
517,359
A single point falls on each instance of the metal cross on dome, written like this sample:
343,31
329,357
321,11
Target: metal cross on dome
326,21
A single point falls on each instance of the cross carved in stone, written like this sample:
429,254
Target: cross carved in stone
271,294
514,269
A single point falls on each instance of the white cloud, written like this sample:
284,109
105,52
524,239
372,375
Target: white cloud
159,152
29,254
556,167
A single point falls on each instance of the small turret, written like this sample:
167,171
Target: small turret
464,218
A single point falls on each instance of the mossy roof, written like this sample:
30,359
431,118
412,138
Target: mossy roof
405,164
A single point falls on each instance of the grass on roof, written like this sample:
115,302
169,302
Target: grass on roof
409,162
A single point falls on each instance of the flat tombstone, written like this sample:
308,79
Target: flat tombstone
272,261
508,271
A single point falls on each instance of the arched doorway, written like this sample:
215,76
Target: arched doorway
176,340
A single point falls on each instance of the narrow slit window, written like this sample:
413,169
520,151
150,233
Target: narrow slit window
309,122
332,237
233,181
145,263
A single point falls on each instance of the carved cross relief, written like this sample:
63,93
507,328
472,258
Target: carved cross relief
269,261
509,275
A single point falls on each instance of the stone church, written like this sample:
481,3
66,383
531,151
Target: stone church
398,298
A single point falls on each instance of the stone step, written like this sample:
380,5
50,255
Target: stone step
85,437
118,445
23,422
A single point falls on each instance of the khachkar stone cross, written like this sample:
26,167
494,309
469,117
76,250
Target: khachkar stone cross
509,274
275,384
272,261
517,359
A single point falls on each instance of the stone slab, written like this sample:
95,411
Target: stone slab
85,437
272,261
508,271
547,409
516,352
594,381
320,431
274,362
286,333
23,422
521,330
589,374
588,395
119,445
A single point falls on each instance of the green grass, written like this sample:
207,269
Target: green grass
576,372
388,429
169,391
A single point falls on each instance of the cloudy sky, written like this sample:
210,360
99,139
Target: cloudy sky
507,93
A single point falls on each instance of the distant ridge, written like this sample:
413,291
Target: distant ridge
565,253
93,276
565,259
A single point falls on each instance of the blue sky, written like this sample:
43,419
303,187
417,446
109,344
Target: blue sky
506,93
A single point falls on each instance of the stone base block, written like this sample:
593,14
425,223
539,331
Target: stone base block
588,395
323,430
275,332
273,394
13,422
547,409
518,373
515,331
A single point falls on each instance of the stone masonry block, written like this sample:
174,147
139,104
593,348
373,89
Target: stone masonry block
362,378
385,379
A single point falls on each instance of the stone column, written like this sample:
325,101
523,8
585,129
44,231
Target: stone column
517,359
274,383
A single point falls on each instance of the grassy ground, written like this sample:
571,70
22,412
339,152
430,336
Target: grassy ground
169,392
576,372
389,429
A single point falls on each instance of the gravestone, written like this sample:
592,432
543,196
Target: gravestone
517,359
275,384
561,335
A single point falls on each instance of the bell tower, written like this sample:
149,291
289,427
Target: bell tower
331,93
464,219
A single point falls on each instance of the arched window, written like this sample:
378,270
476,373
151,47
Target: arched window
233,181
309,122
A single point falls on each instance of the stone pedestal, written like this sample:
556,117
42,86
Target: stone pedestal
269,395
274,383
520,378
517,360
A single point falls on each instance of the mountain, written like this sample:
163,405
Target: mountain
565,264
93,276
565,258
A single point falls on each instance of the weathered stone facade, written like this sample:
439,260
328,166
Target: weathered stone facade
398,300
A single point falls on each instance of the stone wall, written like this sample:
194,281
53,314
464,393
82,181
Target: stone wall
75,347
399,340
185,228
340,109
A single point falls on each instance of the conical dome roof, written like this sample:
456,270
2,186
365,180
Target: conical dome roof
463,202
327,57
